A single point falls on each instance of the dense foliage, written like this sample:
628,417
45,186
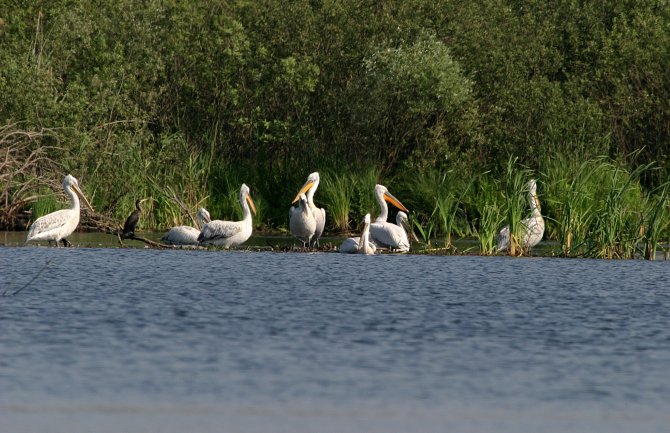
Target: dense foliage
166,98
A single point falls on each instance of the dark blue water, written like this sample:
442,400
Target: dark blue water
120,340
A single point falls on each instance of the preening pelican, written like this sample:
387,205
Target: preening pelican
230,233
362,244
384,233
132,220
187,235
532,228
60,224
309,188
301,221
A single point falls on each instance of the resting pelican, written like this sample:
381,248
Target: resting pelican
230,233
302,222
533,227
362,244
384,233
309,188
60,224
132,220
187,235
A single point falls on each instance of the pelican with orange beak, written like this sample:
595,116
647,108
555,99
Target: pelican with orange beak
230,233
59,225
384,233
319,215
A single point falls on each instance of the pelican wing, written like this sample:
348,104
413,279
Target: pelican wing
181,235
219,230
49,223
388,234
503,239
350,245
534,229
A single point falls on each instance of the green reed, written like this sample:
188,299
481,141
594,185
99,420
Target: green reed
486,207
515,203
618,223
436,198
656,220
338,191
570,200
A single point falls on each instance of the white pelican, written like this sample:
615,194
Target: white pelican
362,244
309,188
230,233
301,221
533,227
187,235
60,224
384,233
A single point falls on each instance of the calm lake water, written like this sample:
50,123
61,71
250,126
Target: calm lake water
138,340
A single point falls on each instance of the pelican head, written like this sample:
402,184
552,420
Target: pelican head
364,245
71,185
401,219
312,182
532,191
304,203
244,196
383,193
203,216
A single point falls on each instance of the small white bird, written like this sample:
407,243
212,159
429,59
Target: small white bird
532,228
384,233
187,235
59,225
361,244
302,222
230,233
309,188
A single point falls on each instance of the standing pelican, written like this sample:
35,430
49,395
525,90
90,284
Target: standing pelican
309,188
362,244
384,233
302,222
533,227
132,220
187,235
60,224
230,233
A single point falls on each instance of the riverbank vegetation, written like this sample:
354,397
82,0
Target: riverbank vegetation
452,105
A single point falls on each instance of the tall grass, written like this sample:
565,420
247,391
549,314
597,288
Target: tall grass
570,199
437,198
338,192
486,205
656,220
617,226
515,203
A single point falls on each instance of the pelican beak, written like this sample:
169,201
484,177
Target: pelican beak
394,201
303,190
251,204
82,197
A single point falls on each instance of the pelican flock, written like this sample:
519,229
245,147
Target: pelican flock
58,225
384,233
306,223
187,235
230,233
533,227
361,244
318,214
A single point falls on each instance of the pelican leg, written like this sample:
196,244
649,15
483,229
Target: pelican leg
66,243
